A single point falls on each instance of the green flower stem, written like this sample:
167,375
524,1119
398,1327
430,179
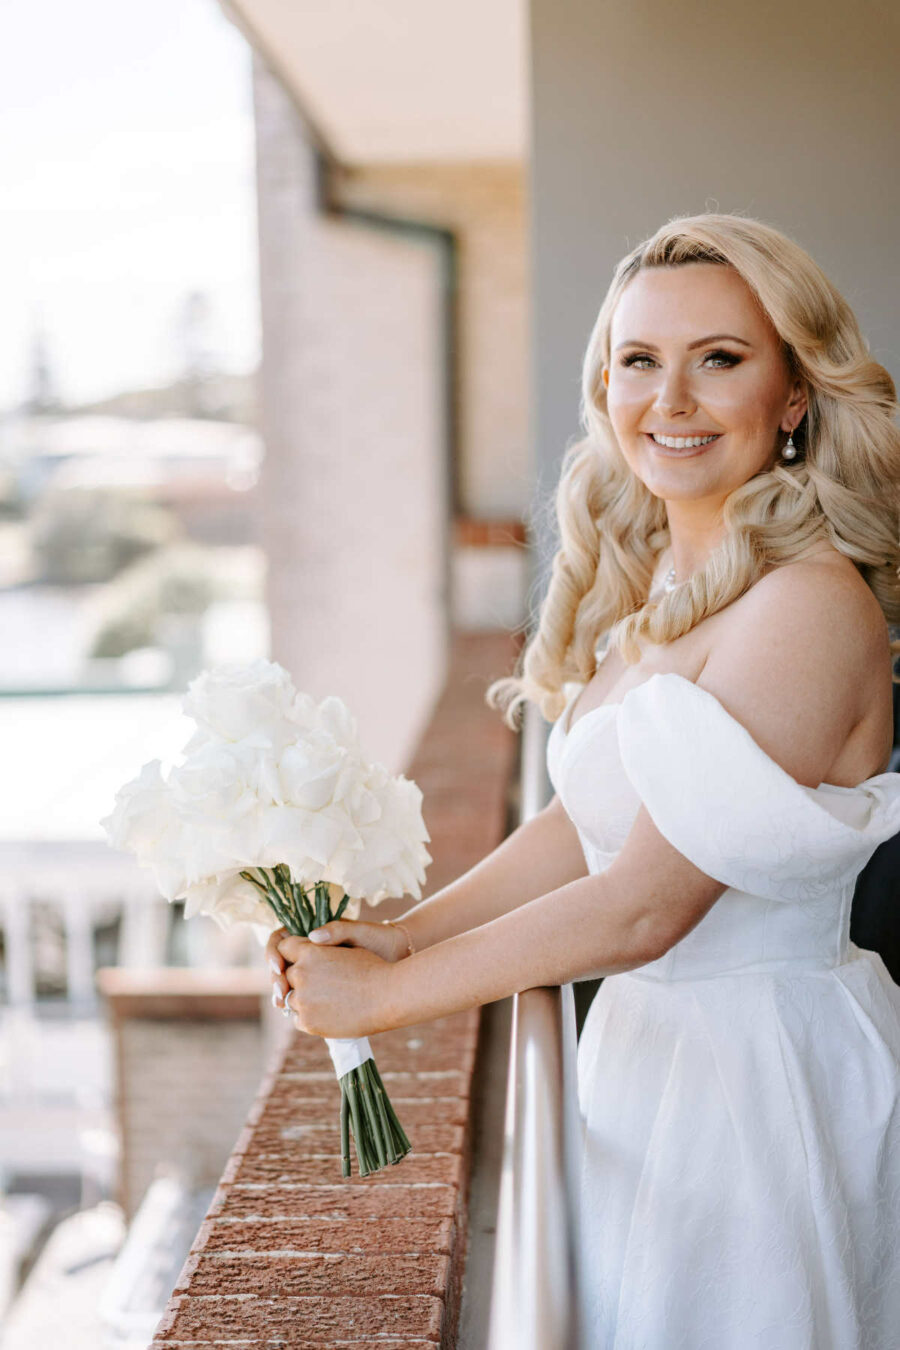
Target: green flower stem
345,1134
384,1125
395,1149
398,1130
379,1145
359,1138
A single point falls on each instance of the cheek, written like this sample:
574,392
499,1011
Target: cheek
625,401
748,405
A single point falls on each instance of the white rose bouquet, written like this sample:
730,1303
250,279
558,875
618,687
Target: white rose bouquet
274,818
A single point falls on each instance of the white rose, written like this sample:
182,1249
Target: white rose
235,702
212,784
308,772
337,720
393,857
142,811
307,841
229,900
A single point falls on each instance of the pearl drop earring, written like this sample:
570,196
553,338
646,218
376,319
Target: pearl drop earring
790,449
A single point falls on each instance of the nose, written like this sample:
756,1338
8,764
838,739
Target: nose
673,395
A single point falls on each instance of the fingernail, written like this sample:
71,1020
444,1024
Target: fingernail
317,935
277,998
275,965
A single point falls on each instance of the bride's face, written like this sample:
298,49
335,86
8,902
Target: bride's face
693,354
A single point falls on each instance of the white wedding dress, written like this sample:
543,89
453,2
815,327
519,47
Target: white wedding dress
740,1096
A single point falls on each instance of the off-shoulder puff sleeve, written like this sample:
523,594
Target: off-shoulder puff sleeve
735,813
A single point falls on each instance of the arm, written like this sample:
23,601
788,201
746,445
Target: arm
647,899
541,855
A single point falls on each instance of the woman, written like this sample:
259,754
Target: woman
730,535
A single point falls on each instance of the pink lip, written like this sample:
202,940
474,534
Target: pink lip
686,452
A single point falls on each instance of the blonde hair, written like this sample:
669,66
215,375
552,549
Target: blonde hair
844,485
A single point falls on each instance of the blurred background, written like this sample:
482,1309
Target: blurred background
167,499
130,557
295,298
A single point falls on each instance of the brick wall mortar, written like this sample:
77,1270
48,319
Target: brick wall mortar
291,1254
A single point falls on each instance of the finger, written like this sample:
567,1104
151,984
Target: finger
337,932
291,946
273,956
276,965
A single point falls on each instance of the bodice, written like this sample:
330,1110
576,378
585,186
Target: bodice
788,854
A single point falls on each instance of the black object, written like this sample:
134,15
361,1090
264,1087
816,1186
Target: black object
875,913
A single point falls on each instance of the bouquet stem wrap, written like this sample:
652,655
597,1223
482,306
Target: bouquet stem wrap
366,1109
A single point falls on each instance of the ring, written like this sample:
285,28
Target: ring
286,1008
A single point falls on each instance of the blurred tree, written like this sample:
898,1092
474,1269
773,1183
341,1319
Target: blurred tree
90,534
183,579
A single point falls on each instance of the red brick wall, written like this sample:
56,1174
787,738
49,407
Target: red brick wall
183,1038
290,1253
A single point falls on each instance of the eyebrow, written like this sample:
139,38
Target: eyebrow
701,342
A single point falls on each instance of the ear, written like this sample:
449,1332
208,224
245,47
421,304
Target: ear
798,404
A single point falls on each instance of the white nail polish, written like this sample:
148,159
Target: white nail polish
277,998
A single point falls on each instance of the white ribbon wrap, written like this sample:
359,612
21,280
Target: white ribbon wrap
349,1053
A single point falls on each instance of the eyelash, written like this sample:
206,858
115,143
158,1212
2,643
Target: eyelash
730,357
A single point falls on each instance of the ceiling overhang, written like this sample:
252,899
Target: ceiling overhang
400,81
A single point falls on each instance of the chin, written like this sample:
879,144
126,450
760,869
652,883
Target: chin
677,487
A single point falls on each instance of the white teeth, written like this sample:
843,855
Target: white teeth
682,442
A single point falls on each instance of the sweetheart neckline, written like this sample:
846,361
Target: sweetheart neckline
564,719
599,707
568,728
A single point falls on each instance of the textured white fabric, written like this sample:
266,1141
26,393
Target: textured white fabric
740,1096
348,1053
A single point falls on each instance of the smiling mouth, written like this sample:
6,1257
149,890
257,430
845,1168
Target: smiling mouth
682,446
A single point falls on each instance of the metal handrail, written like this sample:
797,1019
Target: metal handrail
534,1297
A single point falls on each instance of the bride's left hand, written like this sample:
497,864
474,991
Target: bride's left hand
335,991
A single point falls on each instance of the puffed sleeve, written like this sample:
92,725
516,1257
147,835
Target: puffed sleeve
715,794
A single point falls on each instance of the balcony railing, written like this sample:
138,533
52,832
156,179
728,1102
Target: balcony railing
534,1303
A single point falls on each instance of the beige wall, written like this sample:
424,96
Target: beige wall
354,483
789,112
484,205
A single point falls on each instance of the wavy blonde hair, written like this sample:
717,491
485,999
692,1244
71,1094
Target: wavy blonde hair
844,485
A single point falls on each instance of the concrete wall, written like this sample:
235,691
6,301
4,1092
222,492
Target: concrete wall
789,112
354,483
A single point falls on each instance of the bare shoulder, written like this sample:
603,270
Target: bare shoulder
819,609
803,661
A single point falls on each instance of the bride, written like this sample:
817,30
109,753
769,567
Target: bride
714,654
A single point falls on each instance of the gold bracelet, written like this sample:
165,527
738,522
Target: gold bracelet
405,931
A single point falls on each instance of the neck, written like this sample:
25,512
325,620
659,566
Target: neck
694,531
